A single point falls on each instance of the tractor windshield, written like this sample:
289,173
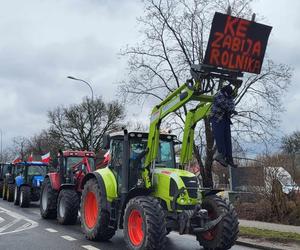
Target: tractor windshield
37,170
6,169
72,161
165,157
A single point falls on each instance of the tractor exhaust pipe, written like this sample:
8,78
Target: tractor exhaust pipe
125,167
61,166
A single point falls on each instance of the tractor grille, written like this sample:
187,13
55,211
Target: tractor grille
191,184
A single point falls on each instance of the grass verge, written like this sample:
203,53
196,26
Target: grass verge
252,232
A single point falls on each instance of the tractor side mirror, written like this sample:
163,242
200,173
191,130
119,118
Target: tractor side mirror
106,141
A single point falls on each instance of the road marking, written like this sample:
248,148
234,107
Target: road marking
18,217
51,230
9,225
24,226
1,219
89,247
67,237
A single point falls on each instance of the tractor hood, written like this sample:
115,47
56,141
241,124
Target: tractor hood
175,184
174,172
37,180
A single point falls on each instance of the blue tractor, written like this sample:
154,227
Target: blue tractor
28,182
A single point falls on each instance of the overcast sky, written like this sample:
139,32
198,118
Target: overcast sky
43,41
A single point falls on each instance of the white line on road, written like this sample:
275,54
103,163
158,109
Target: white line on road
9,225
23,226
51,230
18,217
67,237
89,247
1,219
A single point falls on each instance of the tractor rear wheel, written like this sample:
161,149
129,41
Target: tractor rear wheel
17,196
48,200
25,193
144,224
4,191
67,207
1,189
94,219
224,234
10,192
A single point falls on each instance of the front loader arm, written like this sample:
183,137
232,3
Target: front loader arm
184,94
192,90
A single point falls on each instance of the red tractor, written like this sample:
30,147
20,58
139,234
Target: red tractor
61,190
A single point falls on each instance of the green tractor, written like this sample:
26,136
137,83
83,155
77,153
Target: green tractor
144,192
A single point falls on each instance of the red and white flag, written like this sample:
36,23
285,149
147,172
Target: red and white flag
106,157
30,158
16,160
46,157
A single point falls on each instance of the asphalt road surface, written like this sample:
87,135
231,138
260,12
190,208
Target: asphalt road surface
23,228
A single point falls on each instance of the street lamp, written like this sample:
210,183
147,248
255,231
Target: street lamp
92,115
1,145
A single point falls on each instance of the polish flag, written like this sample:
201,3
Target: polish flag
16,160
106,157
46,158
30,158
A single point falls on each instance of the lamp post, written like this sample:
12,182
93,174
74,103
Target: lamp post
92,114
1,133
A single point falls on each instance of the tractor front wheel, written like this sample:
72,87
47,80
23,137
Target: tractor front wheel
67,207
144,224
1,188
94,219
48,200
10,192
224,234
25,196
17,196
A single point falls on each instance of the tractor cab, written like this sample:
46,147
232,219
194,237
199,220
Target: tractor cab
29,177
31,173
136,145
75,164
5,168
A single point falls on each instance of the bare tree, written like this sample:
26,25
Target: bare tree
72,125
290,144
175,33
20,147
44,142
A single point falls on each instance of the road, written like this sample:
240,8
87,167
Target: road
23,228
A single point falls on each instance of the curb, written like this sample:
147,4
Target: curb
256,245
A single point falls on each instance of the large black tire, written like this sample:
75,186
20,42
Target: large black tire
1,188
25,194
94,219
48,200
10,192
67,206
17,196
4,191
224,235
144,224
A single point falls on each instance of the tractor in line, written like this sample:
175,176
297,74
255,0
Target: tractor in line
144,192
61,190
28,182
